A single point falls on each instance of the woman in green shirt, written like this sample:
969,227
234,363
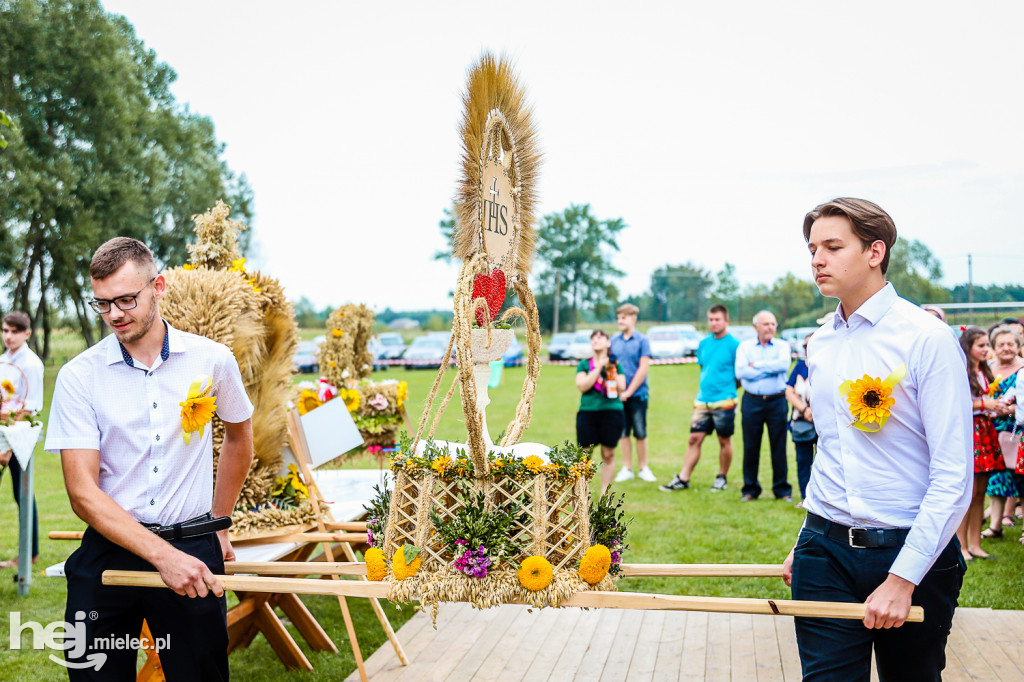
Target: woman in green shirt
599,420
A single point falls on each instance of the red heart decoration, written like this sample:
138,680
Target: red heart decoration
492,288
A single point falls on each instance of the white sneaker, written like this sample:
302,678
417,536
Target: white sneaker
646,474
624,475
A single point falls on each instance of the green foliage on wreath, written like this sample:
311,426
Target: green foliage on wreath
608,526
477,526
377,510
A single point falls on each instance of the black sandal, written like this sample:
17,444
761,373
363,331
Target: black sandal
990,533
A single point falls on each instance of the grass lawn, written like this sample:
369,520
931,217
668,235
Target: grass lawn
691,526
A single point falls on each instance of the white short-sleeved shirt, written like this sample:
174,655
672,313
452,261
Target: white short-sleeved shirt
132,415
29,364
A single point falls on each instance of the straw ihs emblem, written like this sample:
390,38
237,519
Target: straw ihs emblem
498,213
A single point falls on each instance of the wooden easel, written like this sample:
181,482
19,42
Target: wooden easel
300,448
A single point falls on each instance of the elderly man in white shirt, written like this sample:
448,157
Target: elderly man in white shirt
131,420
761,366
27,381
892,477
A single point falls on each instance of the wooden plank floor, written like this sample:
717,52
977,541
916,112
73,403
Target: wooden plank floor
515,643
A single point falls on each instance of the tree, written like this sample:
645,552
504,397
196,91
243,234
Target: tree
679,292
727,288
447,226
103,150
5,122
792,296
915,272
579,246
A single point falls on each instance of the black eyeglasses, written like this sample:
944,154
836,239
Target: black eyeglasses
126,302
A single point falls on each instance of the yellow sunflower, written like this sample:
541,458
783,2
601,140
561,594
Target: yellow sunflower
351,398
401,569
994,386
376,567
870,399
403,392
534,464
535,573
595,564
308,401
440,465
198,408
7,386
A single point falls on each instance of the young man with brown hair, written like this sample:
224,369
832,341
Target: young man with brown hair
136,446
633,350
893,473
28,383
714,409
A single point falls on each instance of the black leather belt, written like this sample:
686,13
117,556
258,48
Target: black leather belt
766,398
200,525
857,537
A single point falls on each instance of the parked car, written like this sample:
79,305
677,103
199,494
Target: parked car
426,351
304,361
389,346
513,356
674,340
559,344
796,337
743,333
580,348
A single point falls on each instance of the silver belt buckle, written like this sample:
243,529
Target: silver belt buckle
849,537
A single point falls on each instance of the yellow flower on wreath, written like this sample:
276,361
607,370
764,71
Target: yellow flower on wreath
376,567
238,265
338,333
296,481
308,401
440,465
7,386
188,266
535,573
595,564
401,569
351,398
198,408
871,400
534,464
402,392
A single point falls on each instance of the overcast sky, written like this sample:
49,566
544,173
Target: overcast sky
710,128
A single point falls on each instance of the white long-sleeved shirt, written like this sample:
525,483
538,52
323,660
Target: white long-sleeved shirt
770,363
917,471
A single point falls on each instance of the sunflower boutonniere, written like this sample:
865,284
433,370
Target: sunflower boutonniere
871,400
198,408
994,386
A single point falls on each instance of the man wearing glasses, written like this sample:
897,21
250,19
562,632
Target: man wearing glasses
141,481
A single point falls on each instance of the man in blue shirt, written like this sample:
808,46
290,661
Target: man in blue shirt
761,366
715,406
633,350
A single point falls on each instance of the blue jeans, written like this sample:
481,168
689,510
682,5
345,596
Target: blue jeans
757,413
840,649
804,460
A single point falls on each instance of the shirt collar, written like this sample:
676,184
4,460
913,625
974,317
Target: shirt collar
16,354
118,353
872,310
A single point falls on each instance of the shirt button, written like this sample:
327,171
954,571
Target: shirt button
158,436
156,469
154,406
152,502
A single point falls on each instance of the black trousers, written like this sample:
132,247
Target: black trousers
194,631
838,649
15,468
758,413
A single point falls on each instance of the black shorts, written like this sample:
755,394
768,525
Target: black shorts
598,427
635,424
710,421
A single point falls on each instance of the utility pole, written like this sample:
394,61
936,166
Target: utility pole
558,295
970,289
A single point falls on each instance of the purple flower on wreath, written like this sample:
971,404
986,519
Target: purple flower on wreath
472,562
616,557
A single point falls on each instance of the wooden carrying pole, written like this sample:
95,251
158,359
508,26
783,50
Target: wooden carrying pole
297,438
630,570
591,600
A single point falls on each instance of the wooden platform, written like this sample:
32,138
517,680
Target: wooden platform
510,643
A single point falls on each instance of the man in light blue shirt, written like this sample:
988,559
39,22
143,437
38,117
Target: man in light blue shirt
761,366
894,470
